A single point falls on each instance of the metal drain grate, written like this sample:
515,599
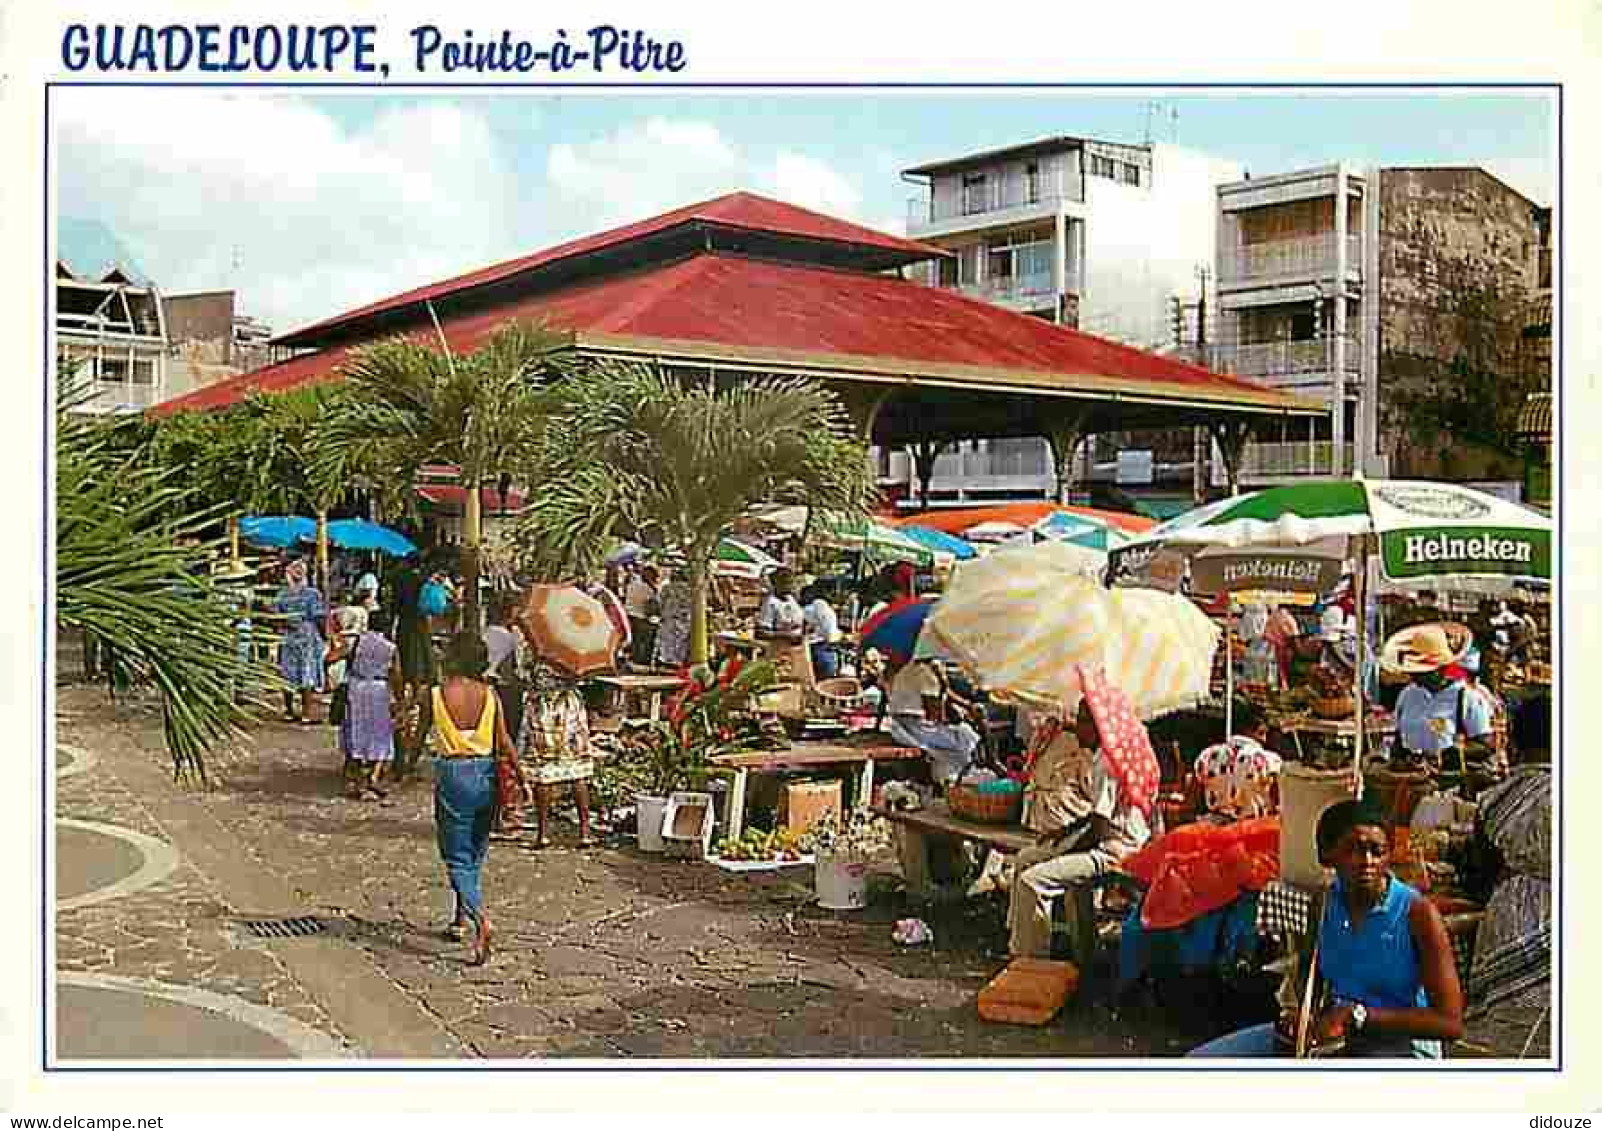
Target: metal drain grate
303,927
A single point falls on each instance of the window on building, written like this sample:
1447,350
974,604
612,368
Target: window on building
975,198
1303,327
968,264
1032,182
946,273
1129,173
1101,166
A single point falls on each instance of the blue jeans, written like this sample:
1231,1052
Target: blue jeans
1258,1041
464,810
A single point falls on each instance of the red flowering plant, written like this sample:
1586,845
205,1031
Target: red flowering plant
711,714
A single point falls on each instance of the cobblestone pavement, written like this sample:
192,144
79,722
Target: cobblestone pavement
600,953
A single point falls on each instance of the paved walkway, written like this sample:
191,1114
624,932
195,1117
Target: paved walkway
600,953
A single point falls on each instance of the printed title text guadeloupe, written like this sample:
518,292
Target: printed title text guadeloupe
356,50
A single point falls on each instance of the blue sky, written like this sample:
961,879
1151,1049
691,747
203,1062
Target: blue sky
310,205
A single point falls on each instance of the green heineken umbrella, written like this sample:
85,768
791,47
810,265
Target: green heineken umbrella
1417,529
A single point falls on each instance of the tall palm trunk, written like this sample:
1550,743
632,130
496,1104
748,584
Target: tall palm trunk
698,612
472,543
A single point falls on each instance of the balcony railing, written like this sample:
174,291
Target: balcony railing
922,210
1276,359
1290,457
1276,259
1013,288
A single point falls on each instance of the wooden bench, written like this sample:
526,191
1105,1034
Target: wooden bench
805,756
915,827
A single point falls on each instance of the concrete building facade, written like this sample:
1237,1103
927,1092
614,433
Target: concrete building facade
1095,235
1382,291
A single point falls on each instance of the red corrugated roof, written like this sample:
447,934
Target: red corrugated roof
736,210
713,302
454,496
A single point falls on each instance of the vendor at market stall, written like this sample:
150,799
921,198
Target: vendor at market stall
781,615
1439,719
925,713
1107,781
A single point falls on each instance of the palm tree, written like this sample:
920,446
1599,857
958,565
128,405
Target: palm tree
409,405
629,449
132,577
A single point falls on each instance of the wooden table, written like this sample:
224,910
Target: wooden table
805,756
652,686
738,642
914,827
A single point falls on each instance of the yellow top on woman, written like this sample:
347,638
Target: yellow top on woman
454,743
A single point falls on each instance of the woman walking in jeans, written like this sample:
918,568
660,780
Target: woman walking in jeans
470,729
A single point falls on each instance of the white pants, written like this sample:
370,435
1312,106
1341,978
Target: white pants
1040,875
950,746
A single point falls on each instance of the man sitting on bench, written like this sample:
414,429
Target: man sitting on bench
1104,791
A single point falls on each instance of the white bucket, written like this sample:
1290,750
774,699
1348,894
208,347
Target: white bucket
649,813
842,885
1304,794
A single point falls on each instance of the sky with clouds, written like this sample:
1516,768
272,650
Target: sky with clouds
310,205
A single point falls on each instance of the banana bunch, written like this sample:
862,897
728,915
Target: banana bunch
755,844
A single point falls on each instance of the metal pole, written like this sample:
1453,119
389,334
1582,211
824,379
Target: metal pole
1360,604
1229,669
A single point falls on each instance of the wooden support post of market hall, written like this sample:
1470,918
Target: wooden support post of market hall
1231,436
1065,432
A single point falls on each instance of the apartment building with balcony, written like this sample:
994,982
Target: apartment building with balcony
110,331
1091,234
1361,288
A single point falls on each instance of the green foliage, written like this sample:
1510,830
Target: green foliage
712,715
631,451
131,575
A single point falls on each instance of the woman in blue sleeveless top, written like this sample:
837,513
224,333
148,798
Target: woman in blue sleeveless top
1382,948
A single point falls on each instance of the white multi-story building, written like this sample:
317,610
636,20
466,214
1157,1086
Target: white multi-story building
1093,235
110,329
1297,267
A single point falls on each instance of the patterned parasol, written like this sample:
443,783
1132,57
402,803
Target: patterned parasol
570,629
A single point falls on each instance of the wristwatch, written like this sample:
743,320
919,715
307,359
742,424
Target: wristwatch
1359,1017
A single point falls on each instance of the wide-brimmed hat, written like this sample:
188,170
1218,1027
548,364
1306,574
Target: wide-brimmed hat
1426,647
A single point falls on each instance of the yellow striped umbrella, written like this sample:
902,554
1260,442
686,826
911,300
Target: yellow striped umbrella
1020,620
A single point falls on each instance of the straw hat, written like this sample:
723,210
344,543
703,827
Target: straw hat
1426,647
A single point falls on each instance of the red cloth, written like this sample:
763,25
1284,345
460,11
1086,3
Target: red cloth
1124,742
1196,869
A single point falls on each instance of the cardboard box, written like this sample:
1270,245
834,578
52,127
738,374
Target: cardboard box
804,803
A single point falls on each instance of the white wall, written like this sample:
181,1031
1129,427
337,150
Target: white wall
1144,244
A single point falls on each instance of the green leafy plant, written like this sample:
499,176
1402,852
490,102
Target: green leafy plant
710,715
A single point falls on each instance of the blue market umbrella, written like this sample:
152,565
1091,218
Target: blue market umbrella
940,542
626,554
360,534
279,532
894,631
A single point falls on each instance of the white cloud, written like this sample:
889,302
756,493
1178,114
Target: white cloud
645,168
318,216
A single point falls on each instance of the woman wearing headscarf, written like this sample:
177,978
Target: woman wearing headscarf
469,730
300,654
367,732
1512,973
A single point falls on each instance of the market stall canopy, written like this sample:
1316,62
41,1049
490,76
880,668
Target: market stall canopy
939,542
997,532
895,630
277,531
1021,619
874,540
1422,529
1081,529
1029,514
740,559
361,534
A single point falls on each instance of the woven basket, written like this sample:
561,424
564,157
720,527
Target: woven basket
1334,707
989,807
